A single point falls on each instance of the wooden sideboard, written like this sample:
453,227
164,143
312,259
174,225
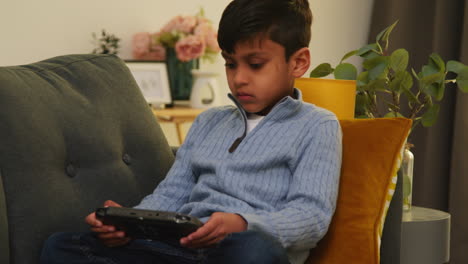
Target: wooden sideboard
176,121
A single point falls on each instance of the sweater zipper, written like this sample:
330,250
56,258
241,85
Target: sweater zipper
244,117
240,139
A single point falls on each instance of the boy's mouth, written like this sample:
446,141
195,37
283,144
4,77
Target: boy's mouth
244,96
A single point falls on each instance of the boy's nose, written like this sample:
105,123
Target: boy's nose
240,78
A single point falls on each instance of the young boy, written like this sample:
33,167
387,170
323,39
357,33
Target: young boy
262,176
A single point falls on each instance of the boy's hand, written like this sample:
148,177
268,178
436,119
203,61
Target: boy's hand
216,229
109,235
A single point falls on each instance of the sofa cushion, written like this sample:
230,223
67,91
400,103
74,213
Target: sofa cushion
371,158
74,131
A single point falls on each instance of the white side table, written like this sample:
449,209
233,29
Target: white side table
425,236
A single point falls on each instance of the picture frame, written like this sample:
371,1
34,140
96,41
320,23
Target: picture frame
153,80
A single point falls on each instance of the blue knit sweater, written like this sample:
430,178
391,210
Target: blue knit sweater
282,177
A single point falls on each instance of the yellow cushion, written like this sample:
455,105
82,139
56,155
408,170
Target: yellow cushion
371,158
338,96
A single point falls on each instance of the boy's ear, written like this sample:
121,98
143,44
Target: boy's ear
300,62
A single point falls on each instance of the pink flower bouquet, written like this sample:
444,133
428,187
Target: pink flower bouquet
192,37
180,42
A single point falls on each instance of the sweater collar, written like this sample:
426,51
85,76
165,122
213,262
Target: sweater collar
283,108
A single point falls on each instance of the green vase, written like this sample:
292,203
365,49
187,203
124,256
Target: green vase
180,76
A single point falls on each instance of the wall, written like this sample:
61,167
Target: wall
36,30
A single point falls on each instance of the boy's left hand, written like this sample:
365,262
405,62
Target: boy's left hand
214,230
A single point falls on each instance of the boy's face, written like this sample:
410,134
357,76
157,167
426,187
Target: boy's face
259,75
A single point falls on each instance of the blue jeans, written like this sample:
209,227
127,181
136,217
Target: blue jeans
245,247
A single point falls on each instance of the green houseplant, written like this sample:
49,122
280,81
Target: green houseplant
387,88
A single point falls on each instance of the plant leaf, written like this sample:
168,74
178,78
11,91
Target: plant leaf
368,48
348,55
399,60
438,77
372,63
433,85
402,81
428,70
438,62
437,90
362,81
377,85
385,34
377,67
435,65
455,66
430,117
371,55
345,71
462,80
322,70
406,84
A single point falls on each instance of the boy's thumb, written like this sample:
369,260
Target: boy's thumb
110,203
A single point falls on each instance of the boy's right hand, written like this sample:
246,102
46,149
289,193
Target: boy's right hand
109,235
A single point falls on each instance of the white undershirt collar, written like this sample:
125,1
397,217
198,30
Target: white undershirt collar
252,121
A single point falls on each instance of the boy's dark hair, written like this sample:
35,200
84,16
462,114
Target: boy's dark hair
286,22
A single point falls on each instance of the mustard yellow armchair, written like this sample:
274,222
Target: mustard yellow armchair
366,226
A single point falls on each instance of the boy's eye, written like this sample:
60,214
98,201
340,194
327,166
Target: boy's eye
229,65
256,66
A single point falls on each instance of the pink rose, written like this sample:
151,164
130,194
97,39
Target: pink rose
145,49
183,24
170,26
202,20
187,24
190,48
141,44
212,42
209,35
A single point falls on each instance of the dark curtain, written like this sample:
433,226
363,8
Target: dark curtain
441,152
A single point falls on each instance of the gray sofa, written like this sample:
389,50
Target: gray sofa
74,132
